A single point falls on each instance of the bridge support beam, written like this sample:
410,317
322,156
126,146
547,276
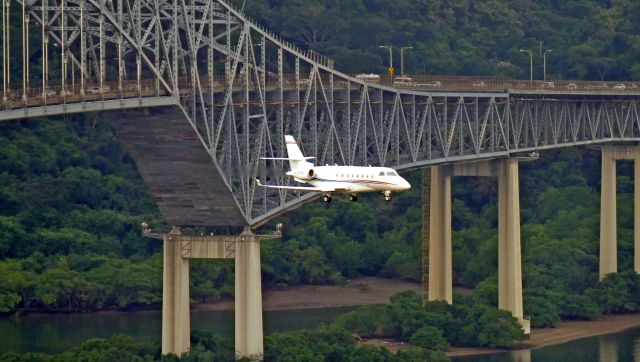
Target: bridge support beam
178,249
248,290
439,231
175,297
608,217
509,253
636,215
608,207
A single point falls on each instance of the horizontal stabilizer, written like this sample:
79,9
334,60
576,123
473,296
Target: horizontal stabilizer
287,159
294,188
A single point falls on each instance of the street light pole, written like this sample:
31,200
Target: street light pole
402,59
531,62
544,61
390,54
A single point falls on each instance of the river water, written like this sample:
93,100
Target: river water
617,347
53,333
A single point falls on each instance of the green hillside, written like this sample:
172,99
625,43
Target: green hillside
590,39
71,200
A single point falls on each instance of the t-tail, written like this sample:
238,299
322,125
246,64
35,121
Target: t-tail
295,157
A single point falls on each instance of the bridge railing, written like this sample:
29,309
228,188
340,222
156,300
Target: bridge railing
36,95
481,83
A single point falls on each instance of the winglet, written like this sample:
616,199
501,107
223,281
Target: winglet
258,182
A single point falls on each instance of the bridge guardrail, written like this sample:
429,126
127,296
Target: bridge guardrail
54,94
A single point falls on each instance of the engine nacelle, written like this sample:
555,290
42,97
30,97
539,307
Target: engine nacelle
306,174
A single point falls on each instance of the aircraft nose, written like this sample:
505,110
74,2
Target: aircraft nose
406,185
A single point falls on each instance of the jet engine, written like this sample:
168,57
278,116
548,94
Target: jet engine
306,174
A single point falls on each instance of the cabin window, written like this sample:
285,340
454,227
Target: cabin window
391,174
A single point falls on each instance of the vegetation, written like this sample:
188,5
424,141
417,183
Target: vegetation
333,342
71,200
590,39
437,325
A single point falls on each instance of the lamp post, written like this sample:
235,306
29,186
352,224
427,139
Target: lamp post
544,62
531,62
402,59
390,56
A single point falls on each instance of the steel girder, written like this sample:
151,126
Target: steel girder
242,88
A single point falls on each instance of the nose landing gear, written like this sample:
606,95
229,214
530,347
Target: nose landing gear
387,195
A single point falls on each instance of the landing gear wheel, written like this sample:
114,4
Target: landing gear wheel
353,197
327,198
387,195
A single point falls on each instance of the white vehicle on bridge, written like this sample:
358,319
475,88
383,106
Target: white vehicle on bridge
403,81
371,77
328,180
434,84
97,90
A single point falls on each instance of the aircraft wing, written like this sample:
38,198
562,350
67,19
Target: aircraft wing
295,188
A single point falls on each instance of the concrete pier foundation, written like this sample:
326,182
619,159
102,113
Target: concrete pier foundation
178,250
608,219
248,298
175,297
440,260
437,233
509,253
608,204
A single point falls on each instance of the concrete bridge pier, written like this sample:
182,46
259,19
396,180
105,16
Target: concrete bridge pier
440,259
178,249
437,232
248,290
176,323
608,204
509,252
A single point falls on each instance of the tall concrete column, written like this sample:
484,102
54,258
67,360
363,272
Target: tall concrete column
248,298
636,216
426,227
608,220
440,263
509,256
175,297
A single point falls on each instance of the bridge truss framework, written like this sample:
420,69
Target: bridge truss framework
242,88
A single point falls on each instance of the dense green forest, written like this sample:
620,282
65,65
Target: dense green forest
590,39
431,330
71,200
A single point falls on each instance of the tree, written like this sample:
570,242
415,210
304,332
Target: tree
429,338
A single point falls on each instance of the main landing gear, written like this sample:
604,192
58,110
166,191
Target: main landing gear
327,198
353,197
387,195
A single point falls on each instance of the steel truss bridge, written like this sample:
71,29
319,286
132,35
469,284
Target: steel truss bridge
199,93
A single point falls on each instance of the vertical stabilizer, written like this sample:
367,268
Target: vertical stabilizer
296,159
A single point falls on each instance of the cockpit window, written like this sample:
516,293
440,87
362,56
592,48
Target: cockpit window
391,174
381,174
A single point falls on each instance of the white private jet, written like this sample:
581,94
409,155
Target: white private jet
328,180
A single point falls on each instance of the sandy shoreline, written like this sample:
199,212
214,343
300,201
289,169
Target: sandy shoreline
363,291
562,333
